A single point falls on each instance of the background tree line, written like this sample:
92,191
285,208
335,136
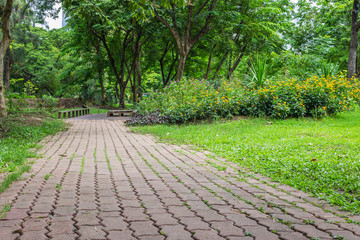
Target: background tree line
111,52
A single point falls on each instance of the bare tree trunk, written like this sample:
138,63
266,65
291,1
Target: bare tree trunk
101,80
181,66
220,65
237,61
186,41
138,73
7,70
355,25
208,69
4,44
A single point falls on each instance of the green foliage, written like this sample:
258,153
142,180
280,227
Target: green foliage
259,73
21,132
319,157
328,69
191,100
49,102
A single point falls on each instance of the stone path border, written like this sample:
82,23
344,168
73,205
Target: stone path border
97,180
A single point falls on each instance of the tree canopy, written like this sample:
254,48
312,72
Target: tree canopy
112,52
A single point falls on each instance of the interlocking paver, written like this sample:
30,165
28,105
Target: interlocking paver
131,187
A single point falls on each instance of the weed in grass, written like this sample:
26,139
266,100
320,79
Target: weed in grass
13,177
107,160
309,222
187,205
282,151
6,208
248,234
82,165
218,167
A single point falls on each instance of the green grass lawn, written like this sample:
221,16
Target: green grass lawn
19,135
318,156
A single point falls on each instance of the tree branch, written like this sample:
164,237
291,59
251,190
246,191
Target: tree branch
205,29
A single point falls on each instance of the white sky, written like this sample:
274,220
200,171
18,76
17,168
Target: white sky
55,23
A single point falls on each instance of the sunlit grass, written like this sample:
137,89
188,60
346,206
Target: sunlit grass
19,137
317,156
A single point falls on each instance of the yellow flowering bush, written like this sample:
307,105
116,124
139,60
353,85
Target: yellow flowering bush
190,99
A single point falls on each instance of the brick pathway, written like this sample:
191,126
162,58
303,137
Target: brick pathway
99,181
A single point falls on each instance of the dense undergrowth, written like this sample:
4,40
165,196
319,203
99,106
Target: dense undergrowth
317,156
192,100
19,134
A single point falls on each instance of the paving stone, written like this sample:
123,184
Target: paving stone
164,219
175,232
58,228
15,213
91,232
64,237
180,211
135,214
87,219
260,232
134,201
206,234
116,235
310,231
38,235
144,228
195,223
34,225
114,223
292,236
346,234
227,229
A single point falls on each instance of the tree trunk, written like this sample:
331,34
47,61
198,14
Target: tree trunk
209,65
101,80
138,73
237,61
220,65
186,41
353,41
4,44
181,66
7,70
122,97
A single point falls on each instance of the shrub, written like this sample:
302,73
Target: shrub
191,100
259,73
49,102
148,119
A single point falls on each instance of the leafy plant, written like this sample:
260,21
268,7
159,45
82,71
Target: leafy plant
328,69
49,102
148,119
259,73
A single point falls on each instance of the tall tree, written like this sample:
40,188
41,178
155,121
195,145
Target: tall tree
4,44
354,40
183,25
39,8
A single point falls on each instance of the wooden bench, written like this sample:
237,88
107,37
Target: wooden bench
120,113
73,113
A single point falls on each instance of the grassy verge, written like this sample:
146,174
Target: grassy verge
19,134
320,157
